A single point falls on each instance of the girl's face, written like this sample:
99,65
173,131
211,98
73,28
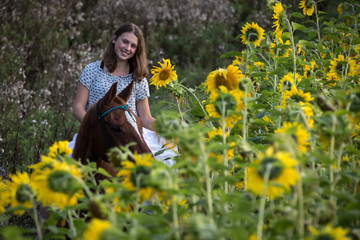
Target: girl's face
125,45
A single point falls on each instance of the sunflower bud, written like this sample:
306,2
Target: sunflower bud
98,209
23,193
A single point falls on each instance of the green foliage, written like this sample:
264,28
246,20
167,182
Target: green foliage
298,102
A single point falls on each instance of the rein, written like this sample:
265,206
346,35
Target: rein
101,116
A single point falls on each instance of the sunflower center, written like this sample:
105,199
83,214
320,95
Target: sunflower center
164,74
282,51
140,170
61,181
46,166
276,168
340,67
324,236
297,98
308,4
221,81
235,170
252,35
23,193
287,85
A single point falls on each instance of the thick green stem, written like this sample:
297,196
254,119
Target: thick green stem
203,158
301,206
225,160
175,219
245,117
260,224
85,187
71,225
138,180
293,48
179,108
36,219
317,22
345,73
198,101
332,149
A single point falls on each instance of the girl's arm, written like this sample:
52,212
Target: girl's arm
81,98
143,110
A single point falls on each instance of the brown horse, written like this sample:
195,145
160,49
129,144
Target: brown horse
109,123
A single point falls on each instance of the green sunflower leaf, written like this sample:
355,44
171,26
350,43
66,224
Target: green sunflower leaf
297,15
297,26
231,54
258,74
104,172
277,71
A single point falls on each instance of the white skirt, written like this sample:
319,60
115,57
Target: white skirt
155,143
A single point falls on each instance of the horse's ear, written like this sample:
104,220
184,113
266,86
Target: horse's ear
125,94
109,96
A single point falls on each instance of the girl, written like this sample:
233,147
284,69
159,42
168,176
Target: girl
124,61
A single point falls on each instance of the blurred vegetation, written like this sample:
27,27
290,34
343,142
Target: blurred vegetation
46,44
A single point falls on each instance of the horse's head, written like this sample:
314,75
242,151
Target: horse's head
109,123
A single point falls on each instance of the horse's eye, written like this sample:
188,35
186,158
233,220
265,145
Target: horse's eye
116,129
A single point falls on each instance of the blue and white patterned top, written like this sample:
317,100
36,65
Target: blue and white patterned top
98,82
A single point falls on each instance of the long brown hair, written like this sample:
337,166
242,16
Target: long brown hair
138,62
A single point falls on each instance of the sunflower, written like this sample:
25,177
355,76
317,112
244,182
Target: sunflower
236,95
298,133
328,232
331,77
229,154
240,60
252,33
229,78
131,171
259,64
216,132
239,184
357,48
46,162
59,148
287,81
253,237
267,119
163,75
278,23
338,66
96,229
300,50
339,9
282,173
116,201
4,198
308,111
57,185
307,6
310,67
295,95
281,50
20,192
356,133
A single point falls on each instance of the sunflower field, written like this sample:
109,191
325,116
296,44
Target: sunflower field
269,148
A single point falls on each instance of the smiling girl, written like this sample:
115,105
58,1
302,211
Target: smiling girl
124,61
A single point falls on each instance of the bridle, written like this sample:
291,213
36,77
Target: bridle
124,107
